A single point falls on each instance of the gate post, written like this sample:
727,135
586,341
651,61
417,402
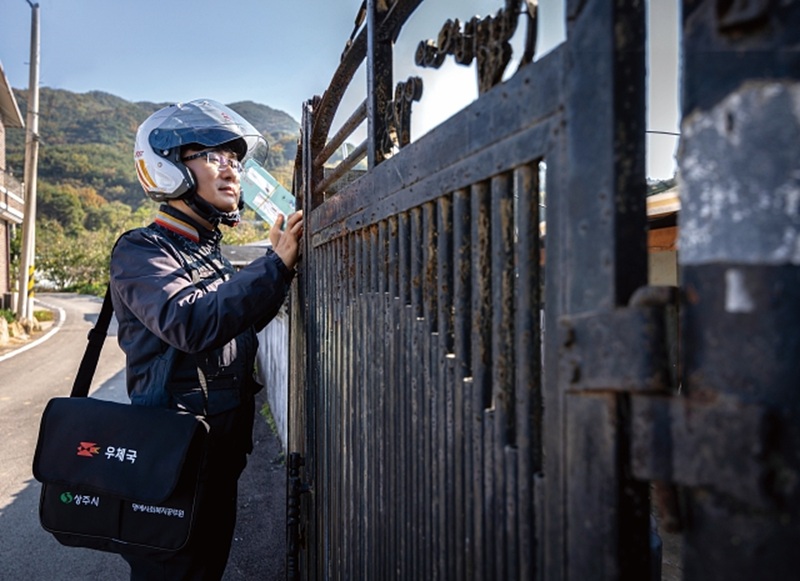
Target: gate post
740,272
601,260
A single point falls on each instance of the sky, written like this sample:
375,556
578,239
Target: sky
281,53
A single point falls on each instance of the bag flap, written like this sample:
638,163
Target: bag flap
133,452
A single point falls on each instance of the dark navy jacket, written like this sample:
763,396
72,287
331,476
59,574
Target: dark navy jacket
187,320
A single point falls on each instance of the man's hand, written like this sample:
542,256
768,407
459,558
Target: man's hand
286,243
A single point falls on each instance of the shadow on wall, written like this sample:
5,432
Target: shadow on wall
273,370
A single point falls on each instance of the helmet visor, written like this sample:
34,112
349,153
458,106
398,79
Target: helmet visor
207,123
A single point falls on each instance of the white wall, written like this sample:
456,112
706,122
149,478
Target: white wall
272,364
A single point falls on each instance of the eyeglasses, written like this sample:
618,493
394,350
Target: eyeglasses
215,158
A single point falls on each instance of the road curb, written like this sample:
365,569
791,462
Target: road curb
53,330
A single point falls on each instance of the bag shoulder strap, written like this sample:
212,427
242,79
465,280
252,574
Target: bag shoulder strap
97,336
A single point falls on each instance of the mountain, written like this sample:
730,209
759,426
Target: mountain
86,141
266,119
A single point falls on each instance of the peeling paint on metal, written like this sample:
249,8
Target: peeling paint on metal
740,178
737,297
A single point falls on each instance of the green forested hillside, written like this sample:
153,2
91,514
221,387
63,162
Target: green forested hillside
87,187
87,141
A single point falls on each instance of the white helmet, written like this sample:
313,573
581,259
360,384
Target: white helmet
157,151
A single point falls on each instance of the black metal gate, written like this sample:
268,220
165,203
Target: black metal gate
483,391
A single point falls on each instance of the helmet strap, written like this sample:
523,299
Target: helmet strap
209,213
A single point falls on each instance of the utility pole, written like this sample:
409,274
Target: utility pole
28,253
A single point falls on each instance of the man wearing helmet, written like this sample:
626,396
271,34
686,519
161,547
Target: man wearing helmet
187,321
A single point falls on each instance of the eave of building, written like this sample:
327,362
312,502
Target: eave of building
9,110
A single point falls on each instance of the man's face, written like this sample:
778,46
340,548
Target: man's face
217,185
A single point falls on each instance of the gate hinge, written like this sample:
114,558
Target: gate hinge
721,443
295,489
629,349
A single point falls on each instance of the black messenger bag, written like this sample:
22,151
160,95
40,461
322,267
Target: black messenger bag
118,477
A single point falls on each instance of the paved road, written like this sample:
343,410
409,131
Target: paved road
27,381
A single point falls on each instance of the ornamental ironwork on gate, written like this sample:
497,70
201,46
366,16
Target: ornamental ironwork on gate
482,390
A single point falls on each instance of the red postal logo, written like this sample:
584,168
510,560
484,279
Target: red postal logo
89,449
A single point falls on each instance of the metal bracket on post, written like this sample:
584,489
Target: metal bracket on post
693,442
675,440
624,350
295,489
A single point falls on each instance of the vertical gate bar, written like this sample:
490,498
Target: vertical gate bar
414,492
355,444
348,548
481,360
512,559
430,261
372,394
404,258
444,267
344,415
462,286
340,526
339,428
383,379
393,258
325,382
395,489
421,469
345,524
430,370
373,251
461,265
444,305
381,382
365,433
415,256
368,390
502,228
394,515
539,528
527,350
328,547
433,391
471,570
453,523
395,493
324,483
444,249
404,398
492,524
381,258
347,412
376,388
429,471
352,443
444,326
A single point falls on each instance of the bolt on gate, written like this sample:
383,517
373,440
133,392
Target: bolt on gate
480,390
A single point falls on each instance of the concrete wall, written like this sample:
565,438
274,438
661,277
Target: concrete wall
273,370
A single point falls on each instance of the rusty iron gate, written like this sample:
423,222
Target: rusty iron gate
480,389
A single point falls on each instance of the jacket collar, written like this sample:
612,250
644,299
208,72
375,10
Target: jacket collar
176,221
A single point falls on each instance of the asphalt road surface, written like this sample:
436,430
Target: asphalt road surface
45,369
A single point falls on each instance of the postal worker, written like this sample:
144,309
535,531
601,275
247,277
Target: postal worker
187,320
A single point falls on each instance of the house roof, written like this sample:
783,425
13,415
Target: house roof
9,110
664,203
